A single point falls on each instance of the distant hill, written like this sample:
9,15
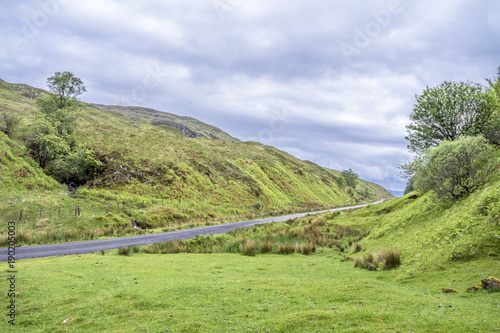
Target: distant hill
191,127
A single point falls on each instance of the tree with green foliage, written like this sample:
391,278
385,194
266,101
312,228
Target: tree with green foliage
63,119
49,134
447,112
66,87
341,181
493,128
350,178
455,168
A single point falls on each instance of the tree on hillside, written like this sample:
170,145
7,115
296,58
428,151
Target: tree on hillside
65,86
493,128
455,168
49,134
447,112
350,178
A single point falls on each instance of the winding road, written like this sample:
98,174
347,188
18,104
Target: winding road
40,251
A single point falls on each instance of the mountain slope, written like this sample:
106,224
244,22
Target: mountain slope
189,126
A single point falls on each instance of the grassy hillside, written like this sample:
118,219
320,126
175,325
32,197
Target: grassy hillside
154,177
189,126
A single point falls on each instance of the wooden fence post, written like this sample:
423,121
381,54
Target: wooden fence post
79,211
20,215
59,212
76,209
40,213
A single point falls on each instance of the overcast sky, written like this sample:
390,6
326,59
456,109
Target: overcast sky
332,82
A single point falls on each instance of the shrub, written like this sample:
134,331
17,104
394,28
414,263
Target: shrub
124,251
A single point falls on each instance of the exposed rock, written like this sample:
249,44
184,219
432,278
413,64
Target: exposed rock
474,288
448,290
490,283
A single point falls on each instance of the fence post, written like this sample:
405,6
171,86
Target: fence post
76,209
40,213
20,215
79,211
59,212
107,209
118,206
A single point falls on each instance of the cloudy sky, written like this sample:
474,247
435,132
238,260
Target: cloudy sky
332,82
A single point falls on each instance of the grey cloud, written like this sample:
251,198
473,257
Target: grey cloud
271,71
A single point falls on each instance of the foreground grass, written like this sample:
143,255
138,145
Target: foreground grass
230,292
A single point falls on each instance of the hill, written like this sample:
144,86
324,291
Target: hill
154,176
191,127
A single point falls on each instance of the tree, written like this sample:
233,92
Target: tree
447,112
66,87
493,128
455,168
350,178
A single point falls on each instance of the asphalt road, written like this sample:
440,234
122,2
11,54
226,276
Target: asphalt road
114,243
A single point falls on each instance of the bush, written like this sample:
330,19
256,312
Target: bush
124,251
8,122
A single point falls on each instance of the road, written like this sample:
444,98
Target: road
40,251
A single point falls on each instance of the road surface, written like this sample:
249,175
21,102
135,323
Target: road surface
114,243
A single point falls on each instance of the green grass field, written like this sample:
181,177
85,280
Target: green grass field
231,292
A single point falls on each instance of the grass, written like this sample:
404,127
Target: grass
230,292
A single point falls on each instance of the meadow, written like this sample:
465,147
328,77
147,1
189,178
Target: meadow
213,283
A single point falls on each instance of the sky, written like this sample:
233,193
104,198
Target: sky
332,82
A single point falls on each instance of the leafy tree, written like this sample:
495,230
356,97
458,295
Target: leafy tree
43,142
63,119
455,168
350,178
49,133
447,112
341,181
66,87
493,128
78,166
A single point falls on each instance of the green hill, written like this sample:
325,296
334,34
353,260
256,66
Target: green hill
154,176
191,127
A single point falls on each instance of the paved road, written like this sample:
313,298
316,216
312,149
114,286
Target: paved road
114,243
